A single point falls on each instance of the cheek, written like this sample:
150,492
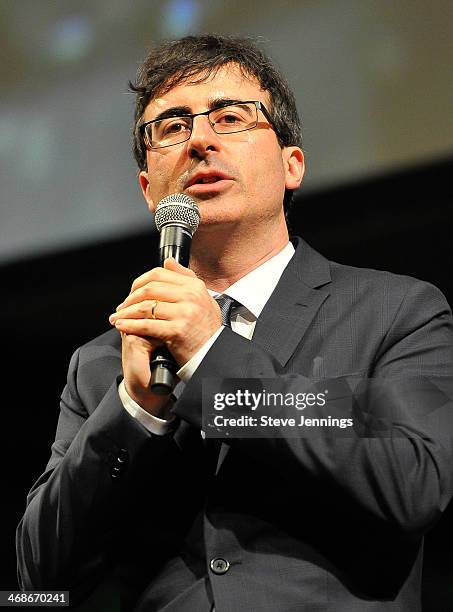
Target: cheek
162,176
264,159
266,165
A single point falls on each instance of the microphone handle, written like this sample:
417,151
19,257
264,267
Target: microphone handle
175,241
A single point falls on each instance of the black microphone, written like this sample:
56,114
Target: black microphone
177,218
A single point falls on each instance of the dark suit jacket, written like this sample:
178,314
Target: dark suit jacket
129,520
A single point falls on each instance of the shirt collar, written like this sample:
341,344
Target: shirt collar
255,288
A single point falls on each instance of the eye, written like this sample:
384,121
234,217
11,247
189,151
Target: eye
171,127
230,118
234,117
174,127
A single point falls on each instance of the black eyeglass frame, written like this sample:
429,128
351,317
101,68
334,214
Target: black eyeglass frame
259,106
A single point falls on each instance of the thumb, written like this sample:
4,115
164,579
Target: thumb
171,264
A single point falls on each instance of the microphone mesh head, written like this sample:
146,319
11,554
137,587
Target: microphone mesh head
177,208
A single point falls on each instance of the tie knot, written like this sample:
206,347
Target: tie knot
226,304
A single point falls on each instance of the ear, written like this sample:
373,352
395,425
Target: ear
144,184
294,166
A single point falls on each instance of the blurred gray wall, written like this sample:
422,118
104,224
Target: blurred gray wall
373,81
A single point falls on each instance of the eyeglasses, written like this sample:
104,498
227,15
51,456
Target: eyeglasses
227,119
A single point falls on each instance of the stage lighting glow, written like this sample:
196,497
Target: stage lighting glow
71,39
181,17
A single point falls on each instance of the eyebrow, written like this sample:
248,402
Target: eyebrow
216,102
182,111
174,111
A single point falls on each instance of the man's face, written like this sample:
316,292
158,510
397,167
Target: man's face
249,170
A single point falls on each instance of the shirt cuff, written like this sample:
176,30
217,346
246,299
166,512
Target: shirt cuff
188,369
153,424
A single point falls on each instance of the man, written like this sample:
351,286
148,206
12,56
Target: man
135,510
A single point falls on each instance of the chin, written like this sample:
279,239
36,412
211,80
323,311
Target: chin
211,222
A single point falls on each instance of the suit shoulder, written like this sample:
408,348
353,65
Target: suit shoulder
316,270
109,338
103,346
93,368
383,282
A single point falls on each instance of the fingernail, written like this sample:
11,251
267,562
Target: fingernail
111,318
119,306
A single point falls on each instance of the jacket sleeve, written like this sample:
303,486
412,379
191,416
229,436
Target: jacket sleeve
404,479
76,512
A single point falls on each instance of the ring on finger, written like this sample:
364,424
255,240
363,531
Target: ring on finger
153,309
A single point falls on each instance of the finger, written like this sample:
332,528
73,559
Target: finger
143,342
159,274
157,330
146,310
172,264
155,290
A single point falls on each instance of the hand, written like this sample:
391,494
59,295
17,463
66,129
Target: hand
186,316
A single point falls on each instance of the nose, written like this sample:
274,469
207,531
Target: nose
203,138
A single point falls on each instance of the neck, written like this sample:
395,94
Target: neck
221,260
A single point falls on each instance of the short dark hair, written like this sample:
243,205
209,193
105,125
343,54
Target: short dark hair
194,59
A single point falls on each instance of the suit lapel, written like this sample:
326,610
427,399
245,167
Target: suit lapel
295,301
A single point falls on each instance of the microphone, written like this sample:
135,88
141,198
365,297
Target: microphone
177,218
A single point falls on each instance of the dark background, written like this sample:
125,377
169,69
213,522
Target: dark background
400,222
373,87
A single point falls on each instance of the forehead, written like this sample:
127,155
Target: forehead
227,83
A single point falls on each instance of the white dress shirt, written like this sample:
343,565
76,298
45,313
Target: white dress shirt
252,291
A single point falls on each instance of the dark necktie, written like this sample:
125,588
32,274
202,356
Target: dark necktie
213,445
226,305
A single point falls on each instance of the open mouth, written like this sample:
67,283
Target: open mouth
200,184
206,179
203,180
